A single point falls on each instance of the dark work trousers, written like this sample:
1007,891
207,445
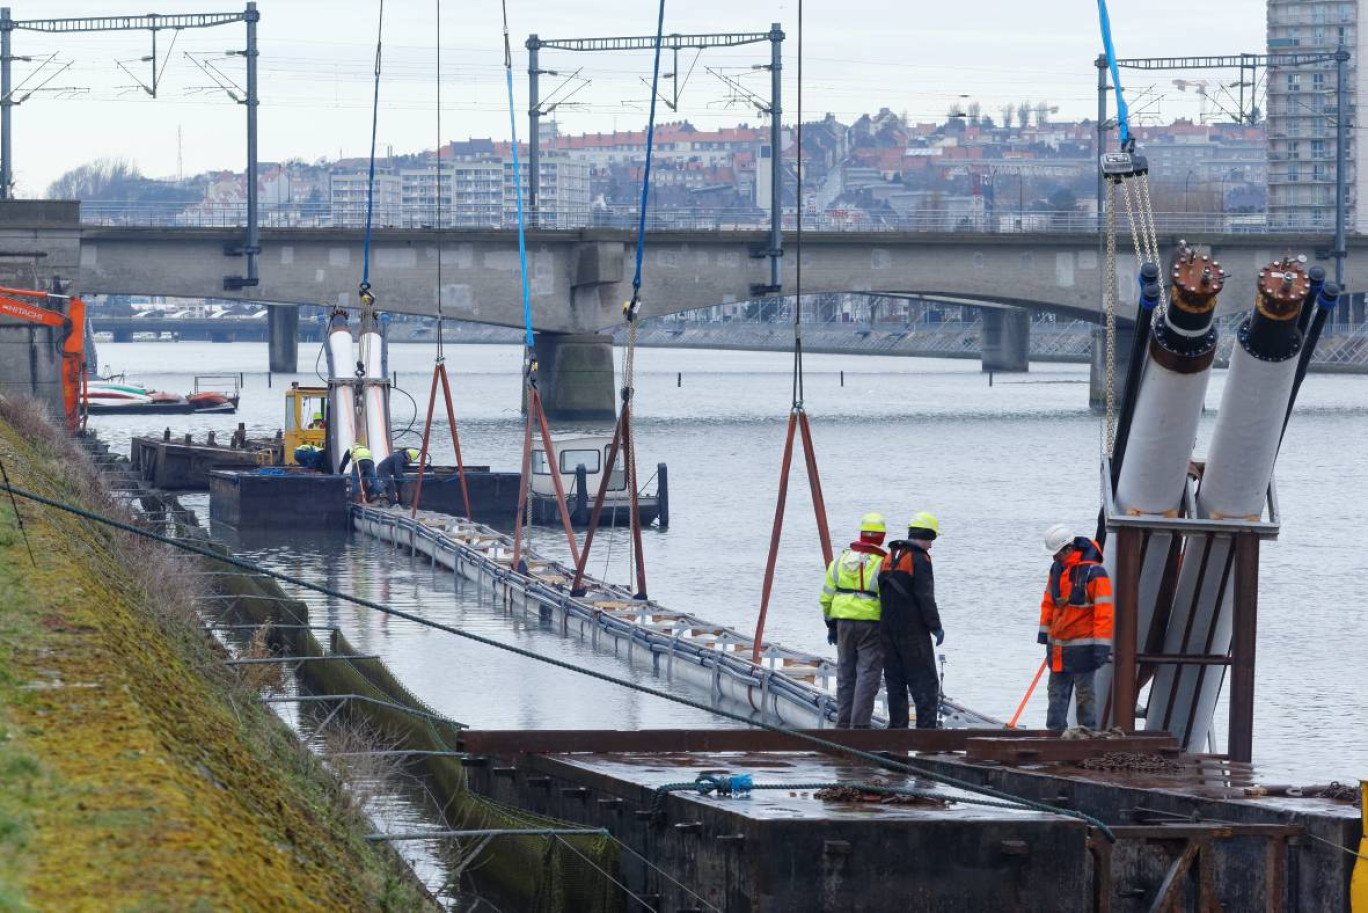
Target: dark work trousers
910,665
1062,685
859,663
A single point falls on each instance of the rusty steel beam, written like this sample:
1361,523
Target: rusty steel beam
1056,749
1240,744
1188,831
1126,609
599,741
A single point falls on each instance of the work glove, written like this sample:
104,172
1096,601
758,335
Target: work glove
1043,637
1101,654
831,633
939,634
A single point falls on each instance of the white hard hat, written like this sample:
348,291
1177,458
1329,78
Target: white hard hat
1056,537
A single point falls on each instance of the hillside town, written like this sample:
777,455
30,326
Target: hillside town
971,171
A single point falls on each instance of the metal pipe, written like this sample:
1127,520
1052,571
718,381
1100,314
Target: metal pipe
6,103
1317,276
253,247
776,172
1325,305
533,128
1235,482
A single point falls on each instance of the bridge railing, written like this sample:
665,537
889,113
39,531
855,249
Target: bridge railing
205,214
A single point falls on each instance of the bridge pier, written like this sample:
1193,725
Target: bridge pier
282,340
1005,341
575,376
31,364
1097,374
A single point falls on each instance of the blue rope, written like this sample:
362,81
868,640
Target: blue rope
650,141
370,178
517,187
1122,112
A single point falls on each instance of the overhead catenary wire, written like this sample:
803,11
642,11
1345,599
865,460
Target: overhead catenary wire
869,757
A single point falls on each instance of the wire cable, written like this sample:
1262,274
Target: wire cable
438,196
798,235
650,142
517,185
869,757
370,178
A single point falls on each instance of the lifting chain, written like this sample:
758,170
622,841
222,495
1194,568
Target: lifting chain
1109,303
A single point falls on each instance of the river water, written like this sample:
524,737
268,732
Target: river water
997,464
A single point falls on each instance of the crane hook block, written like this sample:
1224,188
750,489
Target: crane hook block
1117,166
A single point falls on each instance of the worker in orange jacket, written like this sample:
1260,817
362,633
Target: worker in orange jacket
1075,625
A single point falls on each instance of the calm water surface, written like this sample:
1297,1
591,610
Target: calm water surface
996,464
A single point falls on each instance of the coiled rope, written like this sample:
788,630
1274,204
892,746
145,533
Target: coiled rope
816,741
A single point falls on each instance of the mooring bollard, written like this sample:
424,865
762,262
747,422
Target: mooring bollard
211,439
166,435
188,439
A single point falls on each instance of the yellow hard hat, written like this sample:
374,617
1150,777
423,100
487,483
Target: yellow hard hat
925,520
413,454
872,523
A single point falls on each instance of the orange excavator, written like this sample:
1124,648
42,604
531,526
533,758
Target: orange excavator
44,308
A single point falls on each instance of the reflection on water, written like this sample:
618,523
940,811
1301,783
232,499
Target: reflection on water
997,465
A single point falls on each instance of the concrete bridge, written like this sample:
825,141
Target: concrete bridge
580,278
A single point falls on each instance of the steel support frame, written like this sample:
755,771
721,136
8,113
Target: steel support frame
152,22
1246,535
674,42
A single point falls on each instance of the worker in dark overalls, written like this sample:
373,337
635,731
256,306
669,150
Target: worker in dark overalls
907,622
390,472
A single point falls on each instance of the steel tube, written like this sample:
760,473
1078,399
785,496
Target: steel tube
1126,606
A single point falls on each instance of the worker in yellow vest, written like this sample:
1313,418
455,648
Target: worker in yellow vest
850,605
359,455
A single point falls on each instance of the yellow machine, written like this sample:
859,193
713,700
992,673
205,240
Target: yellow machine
1358,886
306,410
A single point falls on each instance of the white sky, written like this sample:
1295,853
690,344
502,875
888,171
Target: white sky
317,58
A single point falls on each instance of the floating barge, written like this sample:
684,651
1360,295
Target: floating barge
787,687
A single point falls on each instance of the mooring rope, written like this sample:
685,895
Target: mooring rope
825,744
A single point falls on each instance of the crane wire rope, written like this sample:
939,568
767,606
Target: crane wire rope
827,745
798,418
622,432
522,531
370,175
1134,185
439,371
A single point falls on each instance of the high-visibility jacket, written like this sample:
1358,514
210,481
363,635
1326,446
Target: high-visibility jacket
851,588
359,452
1076,611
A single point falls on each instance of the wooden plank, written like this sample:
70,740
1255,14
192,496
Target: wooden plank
1017,750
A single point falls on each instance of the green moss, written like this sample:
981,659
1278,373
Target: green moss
133,774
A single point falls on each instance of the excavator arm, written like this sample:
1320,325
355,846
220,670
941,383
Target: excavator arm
12,304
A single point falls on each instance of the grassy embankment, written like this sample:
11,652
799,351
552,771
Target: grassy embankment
136,771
